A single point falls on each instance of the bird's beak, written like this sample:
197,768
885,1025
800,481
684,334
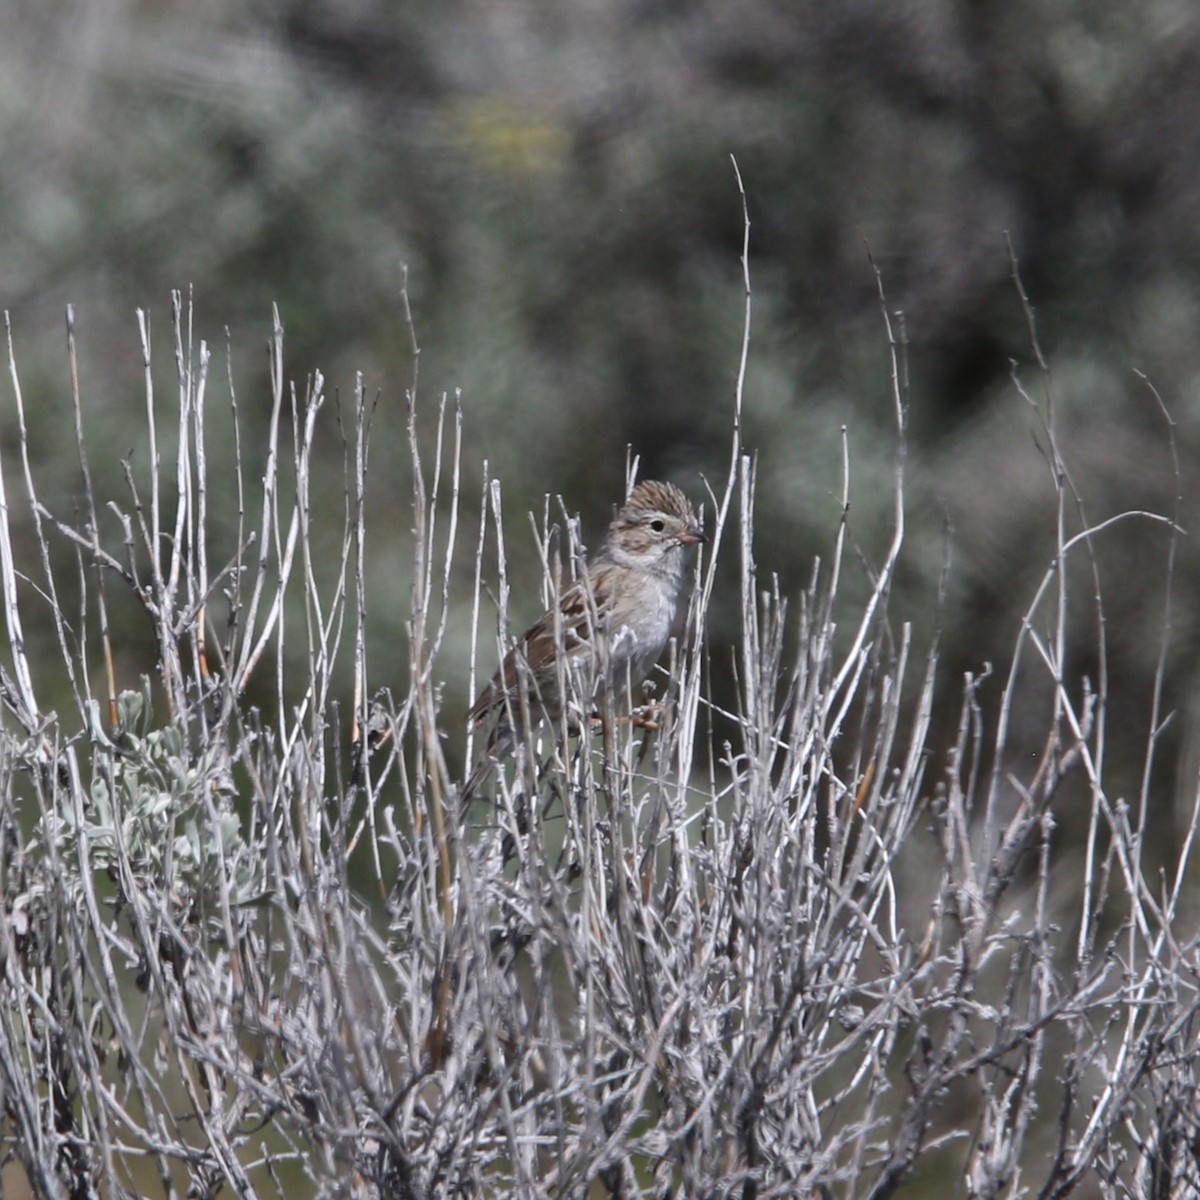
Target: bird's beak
692,537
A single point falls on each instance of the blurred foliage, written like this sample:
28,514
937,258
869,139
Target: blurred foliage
556,180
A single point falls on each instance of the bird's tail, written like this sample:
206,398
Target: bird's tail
477,778
498,746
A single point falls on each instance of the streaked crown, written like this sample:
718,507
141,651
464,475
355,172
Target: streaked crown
657,521
666,498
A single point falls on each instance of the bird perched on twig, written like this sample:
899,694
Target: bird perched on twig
628,598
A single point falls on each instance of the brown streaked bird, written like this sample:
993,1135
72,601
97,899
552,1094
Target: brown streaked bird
632,590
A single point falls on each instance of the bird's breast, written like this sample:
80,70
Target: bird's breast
638,638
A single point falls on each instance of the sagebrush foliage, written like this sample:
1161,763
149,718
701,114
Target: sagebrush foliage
784,944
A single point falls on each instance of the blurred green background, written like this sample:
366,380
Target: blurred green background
556,179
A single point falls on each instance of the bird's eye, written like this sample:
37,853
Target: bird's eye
658,525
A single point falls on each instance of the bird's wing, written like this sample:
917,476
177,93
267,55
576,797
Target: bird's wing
535,652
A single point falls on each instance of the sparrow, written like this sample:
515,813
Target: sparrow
607,630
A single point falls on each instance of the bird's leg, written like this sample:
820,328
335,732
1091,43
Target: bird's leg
646,716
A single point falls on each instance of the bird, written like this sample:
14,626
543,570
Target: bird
607,629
